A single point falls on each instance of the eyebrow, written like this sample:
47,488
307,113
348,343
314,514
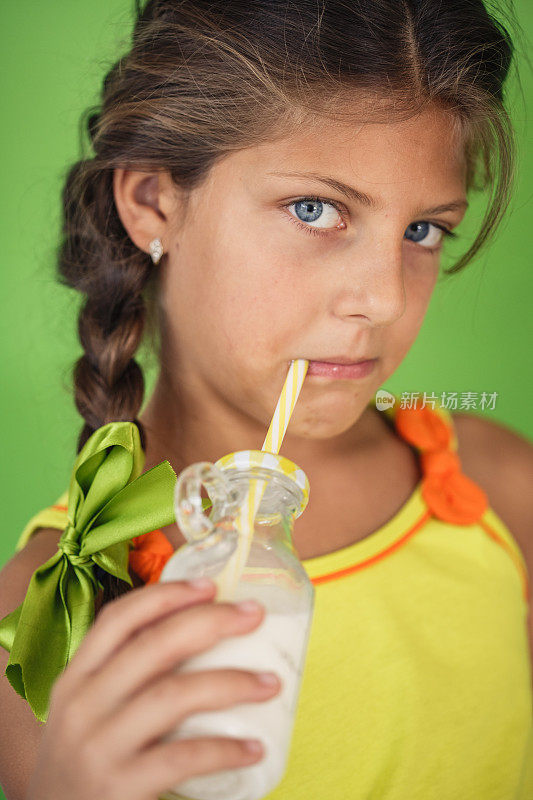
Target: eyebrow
361,197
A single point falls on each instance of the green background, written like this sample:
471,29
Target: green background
476,337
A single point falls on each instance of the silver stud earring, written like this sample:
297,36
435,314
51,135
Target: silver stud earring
156,250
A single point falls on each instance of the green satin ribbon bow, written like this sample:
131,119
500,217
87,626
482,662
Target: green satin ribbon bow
109,503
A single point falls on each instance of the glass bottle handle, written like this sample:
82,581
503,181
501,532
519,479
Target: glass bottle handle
188,504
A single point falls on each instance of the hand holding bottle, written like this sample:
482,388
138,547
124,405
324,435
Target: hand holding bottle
120,694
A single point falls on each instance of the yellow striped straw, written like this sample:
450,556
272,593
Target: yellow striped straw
229,577
285,407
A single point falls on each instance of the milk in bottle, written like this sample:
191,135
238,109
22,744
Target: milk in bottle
272,575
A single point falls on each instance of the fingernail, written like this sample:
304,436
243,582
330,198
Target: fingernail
248,606
253,746
201,583
268,678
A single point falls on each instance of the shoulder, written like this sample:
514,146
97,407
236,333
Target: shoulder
500,460
40,547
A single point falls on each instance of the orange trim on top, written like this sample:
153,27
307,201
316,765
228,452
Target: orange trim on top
61,508
517,562
341,573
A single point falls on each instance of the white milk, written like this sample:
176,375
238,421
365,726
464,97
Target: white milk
279,645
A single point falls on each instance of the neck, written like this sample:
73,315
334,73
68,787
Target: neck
189,425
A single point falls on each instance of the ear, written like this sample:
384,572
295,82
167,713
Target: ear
146,203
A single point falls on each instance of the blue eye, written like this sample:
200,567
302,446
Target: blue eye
428,234
315,209
308,212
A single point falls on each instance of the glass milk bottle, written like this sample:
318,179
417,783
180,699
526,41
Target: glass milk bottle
269,572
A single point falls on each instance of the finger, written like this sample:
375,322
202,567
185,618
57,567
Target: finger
164,705
165,765
155,650
123,617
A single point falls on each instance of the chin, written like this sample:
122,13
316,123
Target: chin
313,425
327,431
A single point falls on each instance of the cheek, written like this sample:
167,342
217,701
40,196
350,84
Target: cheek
258,307
421,274
257,320
420,279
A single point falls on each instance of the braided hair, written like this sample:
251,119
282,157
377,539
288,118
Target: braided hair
98,259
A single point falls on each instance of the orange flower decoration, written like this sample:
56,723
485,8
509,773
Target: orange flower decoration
423,427
151,553
449,494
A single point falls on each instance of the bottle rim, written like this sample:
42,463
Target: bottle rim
245,459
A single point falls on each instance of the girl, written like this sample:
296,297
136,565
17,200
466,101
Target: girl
272,181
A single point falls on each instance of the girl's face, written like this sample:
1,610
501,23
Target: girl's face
258,272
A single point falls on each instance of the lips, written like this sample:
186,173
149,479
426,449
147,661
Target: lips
342,360
342,368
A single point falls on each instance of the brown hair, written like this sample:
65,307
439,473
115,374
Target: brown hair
203,78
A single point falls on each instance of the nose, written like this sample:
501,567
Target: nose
371,286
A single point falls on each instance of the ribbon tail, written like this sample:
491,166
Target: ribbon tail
78,588
47,634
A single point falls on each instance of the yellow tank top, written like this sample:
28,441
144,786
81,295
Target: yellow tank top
417,683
